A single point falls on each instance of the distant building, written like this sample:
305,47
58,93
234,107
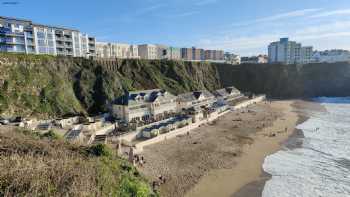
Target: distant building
227,94
195,99
186,54
144,105
174,53
214,55
289,52
163,52
260,59
331,56
116,50
198,54
148,51
231,58
24,36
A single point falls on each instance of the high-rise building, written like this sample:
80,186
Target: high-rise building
24,36
289,52
116,50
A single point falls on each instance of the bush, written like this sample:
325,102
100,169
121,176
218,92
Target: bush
34,167
129,187
99,150
51,135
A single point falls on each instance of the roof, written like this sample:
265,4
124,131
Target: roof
144,96
37,24
191,96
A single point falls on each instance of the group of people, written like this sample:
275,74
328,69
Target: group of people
139,160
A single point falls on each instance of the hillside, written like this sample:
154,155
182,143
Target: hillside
56,86
42,165
46,86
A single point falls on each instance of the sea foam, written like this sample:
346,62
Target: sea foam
321,166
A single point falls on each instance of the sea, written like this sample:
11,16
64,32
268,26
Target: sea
320,166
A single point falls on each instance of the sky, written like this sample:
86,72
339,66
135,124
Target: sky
245,27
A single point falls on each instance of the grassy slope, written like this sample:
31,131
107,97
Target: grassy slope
56,86
34,165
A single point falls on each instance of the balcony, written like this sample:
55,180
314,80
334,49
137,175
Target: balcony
9,33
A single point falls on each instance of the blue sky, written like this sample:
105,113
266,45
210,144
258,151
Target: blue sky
241,26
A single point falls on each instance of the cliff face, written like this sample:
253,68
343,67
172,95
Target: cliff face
289,81
47,86
56,86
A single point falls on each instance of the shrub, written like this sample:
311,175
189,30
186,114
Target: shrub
99,150
51,135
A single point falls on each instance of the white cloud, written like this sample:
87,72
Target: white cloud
277,17
332,13
184,14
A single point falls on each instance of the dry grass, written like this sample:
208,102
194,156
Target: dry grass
42,167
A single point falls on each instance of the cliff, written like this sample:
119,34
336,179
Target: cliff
289,81
47,86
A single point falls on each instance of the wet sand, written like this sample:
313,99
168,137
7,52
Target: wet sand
224,158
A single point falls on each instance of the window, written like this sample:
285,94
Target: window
41,43
41,35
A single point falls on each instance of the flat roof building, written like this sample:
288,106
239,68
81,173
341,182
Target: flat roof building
24,36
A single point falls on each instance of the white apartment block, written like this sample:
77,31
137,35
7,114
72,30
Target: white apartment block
331,56
24,36
148,51
144,105
116,50
289,52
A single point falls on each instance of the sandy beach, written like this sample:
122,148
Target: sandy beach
223,158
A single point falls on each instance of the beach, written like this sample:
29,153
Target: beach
223,158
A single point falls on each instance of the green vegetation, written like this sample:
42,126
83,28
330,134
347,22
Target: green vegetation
47,86
40,167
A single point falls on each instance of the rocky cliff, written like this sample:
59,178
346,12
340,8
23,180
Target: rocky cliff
56,86
289,81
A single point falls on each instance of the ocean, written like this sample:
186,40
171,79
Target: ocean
320,167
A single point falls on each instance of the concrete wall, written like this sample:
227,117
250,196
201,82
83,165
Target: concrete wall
139,146
249,102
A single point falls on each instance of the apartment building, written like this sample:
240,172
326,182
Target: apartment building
186,54
174,53
289,52
144,105
331,56
227,94
148,51
198,54
24,36
196,99
214,55
116,50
